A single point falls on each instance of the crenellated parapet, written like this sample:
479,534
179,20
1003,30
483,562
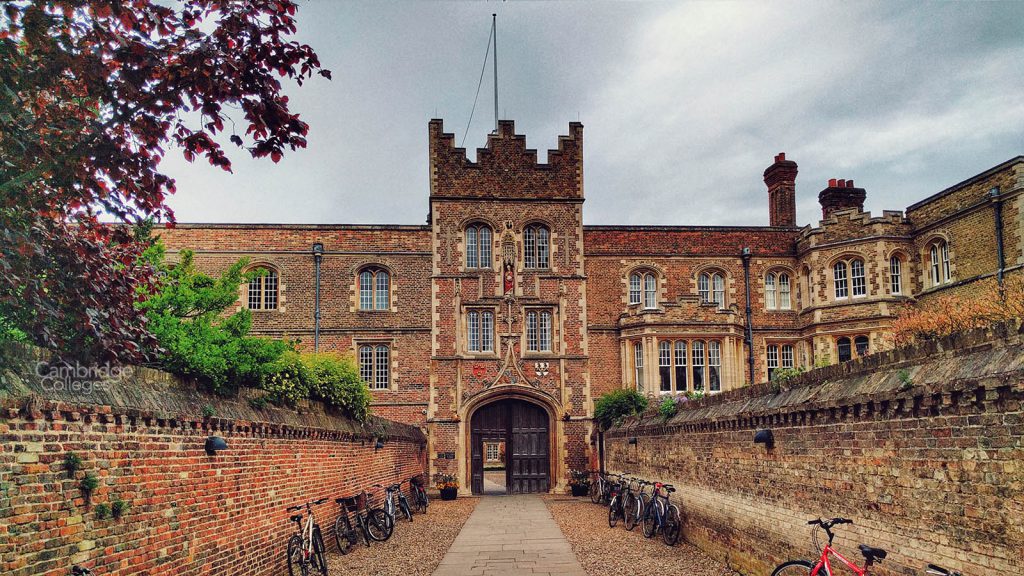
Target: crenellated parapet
506,168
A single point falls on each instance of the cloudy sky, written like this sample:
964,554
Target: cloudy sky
684,105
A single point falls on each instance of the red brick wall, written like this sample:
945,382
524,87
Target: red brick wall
921,448
190,513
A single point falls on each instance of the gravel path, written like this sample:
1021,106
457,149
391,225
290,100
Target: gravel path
603,550
415,549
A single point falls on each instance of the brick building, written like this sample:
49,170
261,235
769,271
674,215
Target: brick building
505,317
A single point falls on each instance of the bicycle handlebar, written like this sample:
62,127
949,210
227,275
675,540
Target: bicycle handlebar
829,523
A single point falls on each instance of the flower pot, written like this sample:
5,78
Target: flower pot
580,490
449,493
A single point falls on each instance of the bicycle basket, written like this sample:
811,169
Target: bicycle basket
355,503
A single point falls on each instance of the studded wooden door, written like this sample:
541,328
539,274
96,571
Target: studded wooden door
524,427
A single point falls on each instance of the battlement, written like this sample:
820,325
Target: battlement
851,223
505,168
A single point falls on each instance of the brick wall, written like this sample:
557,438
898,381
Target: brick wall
921,448
189,513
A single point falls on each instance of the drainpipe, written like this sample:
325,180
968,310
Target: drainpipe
750,320
1000,257
318,254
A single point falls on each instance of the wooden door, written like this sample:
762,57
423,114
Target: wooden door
524,427
530,461
489,422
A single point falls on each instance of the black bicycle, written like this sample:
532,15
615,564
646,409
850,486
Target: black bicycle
79,571
419,493
369,523
615,508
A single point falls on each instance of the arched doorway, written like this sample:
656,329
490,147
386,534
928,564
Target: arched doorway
515,433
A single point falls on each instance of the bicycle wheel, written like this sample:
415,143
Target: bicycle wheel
296,563
673,526
633,513
651,518
379,525
628,507
595,492
404,505
319,551
793,568
613,512
344,535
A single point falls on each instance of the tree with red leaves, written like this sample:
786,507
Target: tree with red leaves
92,93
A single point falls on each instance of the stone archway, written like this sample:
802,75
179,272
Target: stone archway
525,429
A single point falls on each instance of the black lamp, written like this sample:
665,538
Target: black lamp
215,444
632,441
765,437
379,444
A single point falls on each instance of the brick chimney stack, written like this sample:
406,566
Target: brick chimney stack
841,195
780,178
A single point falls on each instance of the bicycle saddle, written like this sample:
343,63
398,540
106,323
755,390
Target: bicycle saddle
872,554
668,487
296,518
395,487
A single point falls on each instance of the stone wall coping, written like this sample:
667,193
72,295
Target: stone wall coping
157,398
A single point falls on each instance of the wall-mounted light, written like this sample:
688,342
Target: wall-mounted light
765,437
632,441
378,445
215,444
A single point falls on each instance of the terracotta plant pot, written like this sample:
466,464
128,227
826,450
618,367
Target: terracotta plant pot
449,493
580,490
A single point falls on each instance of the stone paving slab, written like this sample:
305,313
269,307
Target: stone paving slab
510,536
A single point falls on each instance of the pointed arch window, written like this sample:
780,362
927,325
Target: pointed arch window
770,292
635,290
939,255
374,289
839,278
536,246
263,290
711,287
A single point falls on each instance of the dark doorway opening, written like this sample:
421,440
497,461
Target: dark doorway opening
509,442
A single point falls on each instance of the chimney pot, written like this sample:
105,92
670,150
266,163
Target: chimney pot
841,183
781,156
831,182
849,183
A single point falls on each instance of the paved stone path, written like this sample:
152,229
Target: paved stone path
510,536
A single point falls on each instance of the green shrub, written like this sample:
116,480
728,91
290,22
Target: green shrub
616,405
782,375
118,508
102,511
668,407
72,463
187,314
335,380
287,380
89,483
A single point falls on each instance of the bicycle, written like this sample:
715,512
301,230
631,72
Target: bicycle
306,547
419,493
79,571
642,500
662,515
599,487
823,567
630,502
371,524
389,501
615,510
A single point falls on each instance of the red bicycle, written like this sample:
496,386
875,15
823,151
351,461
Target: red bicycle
823,567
